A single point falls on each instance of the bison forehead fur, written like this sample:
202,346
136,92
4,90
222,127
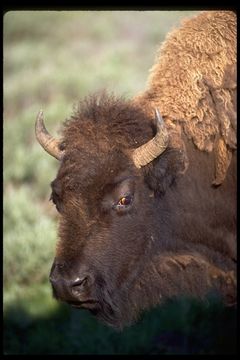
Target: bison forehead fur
130,237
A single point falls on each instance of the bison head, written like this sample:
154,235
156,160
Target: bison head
107,190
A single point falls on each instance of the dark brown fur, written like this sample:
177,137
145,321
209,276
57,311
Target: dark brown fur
178,235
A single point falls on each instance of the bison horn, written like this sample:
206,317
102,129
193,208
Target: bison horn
48,142
146,153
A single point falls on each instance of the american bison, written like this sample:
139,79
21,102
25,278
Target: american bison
146,188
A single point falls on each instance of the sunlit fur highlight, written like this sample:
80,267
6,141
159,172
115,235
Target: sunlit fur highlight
193,83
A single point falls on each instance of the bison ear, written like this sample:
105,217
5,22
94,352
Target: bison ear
162,172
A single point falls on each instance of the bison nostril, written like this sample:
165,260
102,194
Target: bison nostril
79,282
56,272
78,285
60,266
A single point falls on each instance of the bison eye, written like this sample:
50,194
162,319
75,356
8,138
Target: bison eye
123,203
125,200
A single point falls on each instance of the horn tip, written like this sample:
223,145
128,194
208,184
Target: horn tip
39,124
159,117
39,120
40,114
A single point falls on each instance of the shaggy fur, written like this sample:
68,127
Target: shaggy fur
194,84
178,234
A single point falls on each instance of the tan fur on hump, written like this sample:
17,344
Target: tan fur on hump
193,83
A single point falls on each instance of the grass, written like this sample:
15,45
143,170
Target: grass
40,326
51,60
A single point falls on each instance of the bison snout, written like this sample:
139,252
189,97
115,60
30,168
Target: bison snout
68,286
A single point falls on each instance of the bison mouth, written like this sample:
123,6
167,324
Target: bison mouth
103,311
90,304
112,310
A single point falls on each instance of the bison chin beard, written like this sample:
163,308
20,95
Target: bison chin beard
114,309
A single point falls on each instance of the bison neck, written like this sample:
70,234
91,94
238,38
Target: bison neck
195,253
185,274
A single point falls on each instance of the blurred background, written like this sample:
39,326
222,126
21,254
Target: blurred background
51,60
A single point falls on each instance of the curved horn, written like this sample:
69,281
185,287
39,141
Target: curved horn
48,142
146,153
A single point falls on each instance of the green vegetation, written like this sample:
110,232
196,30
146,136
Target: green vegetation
52,59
